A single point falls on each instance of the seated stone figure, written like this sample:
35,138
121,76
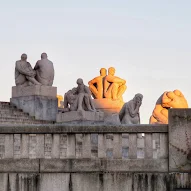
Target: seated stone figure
78,99
44,70
24,74
96,84
166,101
129,113
114,87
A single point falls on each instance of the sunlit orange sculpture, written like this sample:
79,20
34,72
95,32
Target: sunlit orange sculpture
96,84
114,87
107,90
60,99
166,101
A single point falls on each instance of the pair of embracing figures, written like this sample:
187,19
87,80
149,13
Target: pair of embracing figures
42,74
107,85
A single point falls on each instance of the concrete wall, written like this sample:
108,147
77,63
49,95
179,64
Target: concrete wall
96,157
93,181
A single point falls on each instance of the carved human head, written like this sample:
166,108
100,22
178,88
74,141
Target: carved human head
24,57
44,55
79,81
138,98
111,71
103,72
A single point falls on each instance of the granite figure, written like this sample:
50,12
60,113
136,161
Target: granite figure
129,113
24,73
44,71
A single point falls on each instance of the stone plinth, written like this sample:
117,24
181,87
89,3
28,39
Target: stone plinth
20,91
39,101
108,106
79,116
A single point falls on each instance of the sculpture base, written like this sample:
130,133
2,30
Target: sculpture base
79,116
37,90
38,101
108,106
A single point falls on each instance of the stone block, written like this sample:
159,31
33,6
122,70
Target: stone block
179,140
79,116
40,107
108,106
37,90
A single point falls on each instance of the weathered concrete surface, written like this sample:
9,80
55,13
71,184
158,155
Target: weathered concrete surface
103,165
93,181
38,90
41,107
73,129
79,116
180,140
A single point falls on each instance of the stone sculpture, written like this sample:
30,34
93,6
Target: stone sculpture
24,74
96,84
60,100
78,99
129,113
166,101
44,70
114,87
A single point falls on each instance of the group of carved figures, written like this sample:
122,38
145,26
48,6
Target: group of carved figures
107,85
42,74
103,86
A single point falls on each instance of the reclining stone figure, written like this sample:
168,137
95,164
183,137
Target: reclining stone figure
166,101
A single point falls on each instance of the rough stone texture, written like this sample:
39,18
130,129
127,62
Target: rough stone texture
180,140
108,106
94,181
79,116
81,129
11,115
40,107
90,165
37,90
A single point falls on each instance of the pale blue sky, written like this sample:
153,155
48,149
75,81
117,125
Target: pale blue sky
148,42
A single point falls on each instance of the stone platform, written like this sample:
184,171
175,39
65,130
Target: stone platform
79,116
108,106
39,101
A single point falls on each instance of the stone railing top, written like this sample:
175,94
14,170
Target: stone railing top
72,129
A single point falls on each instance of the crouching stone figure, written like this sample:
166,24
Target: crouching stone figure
129,113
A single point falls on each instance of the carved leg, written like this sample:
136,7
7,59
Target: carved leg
94,91
33,80
112,91
121,91
80,102
87,100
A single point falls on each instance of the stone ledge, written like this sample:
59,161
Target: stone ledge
79,116
103,165
20,91
19,165
72,129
